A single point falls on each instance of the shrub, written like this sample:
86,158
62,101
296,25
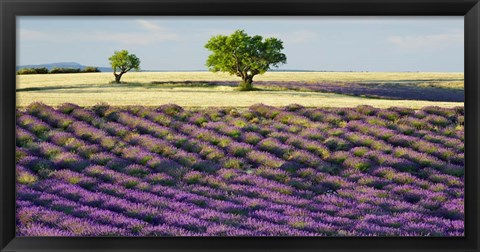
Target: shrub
25,177
265,159
402,140
275,174
198,119
282,136
100,108
248,115
234,163
83,114
313,134
444,112
193,177
336,144
70,160
239,149
336,132
352,115
23,137
389,115
404,129
206,166
403,111
316,148
420,114
414,122
439,121
33,124
377,121
39,70
290,118
357,163
366,110
47,149
160,178
20,154
264,110
316,115
293,107
333,119
67,108
252,138
360,151
26,71
339,157
90,69
459,110
274,146
37,164
170,109
306,158
211,152
58,70
214,114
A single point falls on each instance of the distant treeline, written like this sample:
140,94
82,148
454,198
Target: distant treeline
57,70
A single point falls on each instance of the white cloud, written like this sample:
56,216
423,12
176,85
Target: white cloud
158,32
295,37
152,33
131,38
146,33
148,25
300,37
25,34
432,41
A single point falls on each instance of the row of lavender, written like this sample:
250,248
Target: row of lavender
264,171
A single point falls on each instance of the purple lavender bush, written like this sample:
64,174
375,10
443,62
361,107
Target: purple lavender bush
265,171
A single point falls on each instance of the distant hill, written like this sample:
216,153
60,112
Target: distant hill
50,66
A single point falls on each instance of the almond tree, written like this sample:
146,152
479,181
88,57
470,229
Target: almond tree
124,62
244,56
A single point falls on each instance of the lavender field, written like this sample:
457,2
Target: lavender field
259,171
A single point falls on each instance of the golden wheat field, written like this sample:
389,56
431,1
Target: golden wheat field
153,89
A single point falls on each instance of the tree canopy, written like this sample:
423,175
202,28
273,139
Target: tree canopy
244,56
123,62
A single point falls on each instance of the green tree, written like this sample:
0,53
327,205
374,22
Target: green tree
124,62
244,56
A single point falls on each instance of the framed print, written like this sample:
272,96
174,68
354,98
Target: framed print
239,126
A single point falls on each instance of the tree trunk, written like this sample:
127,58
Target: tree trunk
117,77
246,84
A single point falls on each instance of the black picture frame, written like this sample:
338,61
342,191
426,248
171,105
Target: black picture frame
470,9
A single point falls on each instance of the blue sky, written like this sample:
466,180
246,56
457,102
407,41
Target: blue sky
311,43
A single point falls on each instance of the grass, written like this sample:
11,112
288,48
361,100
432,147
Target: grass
444,80
88,89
